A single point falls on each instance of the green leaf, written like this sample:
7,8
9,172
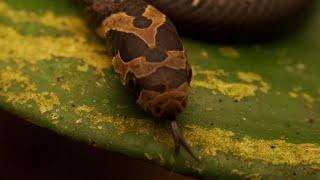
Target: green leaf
254,109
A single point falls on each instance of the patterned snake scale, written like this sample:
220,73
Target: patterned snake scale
148,53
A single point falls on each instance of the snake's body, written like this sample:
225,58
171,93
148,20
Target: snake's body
148,52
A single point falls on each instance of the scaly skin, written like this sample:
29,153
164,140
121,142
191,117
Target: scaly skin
211,16
148,53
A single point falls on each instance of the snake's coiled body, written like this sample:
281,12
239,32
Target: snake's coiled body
148,52
210,16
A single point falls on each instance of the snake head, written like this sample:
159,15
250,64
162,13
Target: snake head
165,92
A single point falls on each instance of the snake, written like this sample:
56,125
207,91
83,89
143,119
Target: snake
148,53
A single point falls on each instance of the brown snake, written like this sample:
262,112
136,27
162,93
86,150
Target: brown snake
148,52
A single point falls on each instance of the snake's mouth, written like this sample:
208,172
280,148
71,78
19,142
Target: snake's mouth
165,104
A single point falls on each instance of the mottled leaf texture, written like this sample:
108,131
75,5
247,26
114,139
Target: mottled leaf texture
254,108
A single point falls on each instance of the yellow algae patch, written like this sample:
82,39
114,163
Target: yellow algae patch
66,87
211,141
254,176
69,23
148,156
298,92
265,87
162,161
131,125
54,116
9,76
307,97
299,67
46,101
236,90
83,108
253,77
293,94
144,127
249,77
78,121
34,49
237,172
204,53
83,68
229,52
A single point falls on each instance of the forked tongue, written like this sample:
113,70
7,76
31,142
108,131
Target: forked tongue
179,140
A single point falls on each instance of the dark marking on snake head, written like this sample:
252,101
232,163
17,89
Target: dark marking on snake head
142,22
148,53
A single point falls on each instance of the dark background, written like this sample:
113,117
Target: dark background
31,152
